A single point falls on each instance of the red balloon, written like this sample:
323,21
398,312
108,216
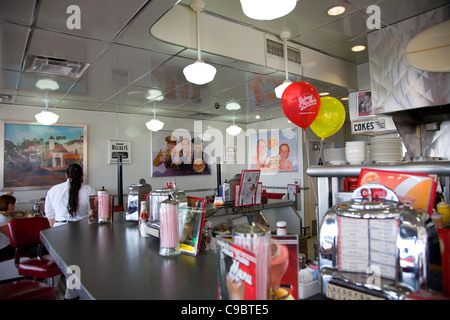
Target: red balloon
301,103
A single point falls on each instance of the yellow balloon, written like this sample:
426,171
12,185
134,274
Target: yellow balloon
330,118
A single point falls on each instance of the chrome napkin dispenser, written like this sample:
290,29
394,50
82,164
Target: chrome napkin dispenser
136,194
155,199
375,247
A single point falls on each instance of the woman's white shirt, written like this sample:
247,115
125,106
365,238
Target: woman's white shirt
4,239
58,197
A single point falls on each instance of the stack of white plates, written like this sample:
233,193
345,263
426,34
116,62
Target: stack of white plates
335,156
355,152
386,149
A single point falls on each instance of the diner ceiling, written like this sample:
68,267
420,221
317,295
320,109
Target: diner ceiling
122,59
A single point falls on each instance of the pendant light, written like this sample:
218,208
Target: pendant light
233,106
285,35
199,72
154,124
46,117
267,9
233,130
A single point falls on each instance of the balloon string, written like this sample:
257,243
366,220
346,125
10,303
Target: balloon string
320,153
310,179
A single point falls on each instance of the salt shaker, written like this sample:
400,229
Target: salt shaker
143,219
169,242
281,228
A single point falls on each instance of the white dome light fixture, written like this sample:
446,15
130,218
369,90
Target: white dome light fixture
154,124
267,9
199,72
285,35
154,95
233,106
233,130
47,84
46,117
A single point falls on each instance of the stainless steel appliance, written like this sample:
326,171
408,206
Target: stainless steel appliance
136,194
374,247
154,204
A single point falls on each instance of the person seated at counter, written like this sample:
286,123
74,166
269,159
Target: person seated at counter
7,206
69,201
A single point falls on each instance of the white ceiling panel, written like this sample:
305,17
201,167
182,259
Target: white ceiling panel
62,46
126,60
102,19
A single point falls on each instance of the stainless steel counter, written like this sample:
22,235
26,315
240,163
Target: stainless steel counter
328,178
441,168
116,263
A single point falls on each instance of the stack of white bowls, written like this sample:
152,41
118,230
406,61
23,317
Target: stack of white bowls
386,149
355,151
335,156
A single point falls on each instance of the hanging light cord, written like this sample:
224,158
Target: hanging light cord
46,100
286,58
199,55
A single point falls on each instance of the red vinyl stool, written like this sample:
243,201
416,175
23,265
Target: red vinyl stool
23,233
27,290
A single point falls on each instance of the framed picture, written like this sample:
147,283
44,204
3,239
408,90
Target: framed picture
35,156
178,153
274,151
365,103
119,147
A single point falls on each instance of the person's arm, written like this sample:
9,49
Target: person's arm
51,222
290,167
157,161
4,230
49,211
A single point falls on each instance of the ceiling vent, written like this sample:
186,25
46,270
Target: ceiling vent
201,116
55,66
6,98
275,48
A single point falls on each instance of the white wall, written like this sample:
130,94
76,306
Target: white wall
103,126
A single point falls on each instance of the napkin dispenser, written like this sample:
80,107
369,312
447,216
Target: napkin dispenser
136,194
375,247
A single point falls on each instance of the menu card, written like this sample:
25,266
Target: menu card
191,220
364,243
237,272
419,190
248,187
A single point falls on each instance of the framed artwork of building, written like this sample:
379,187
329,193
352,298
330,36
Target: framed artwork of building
34,156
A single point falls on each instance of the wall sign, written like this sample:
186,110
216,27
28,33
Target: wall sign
373,125
119,147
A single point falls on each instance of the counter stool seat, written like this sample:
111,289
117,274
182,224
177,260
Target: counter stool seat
40,267
25,233
27,290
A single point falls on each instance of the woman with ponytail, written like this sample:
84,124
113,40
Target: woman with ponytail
68,201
